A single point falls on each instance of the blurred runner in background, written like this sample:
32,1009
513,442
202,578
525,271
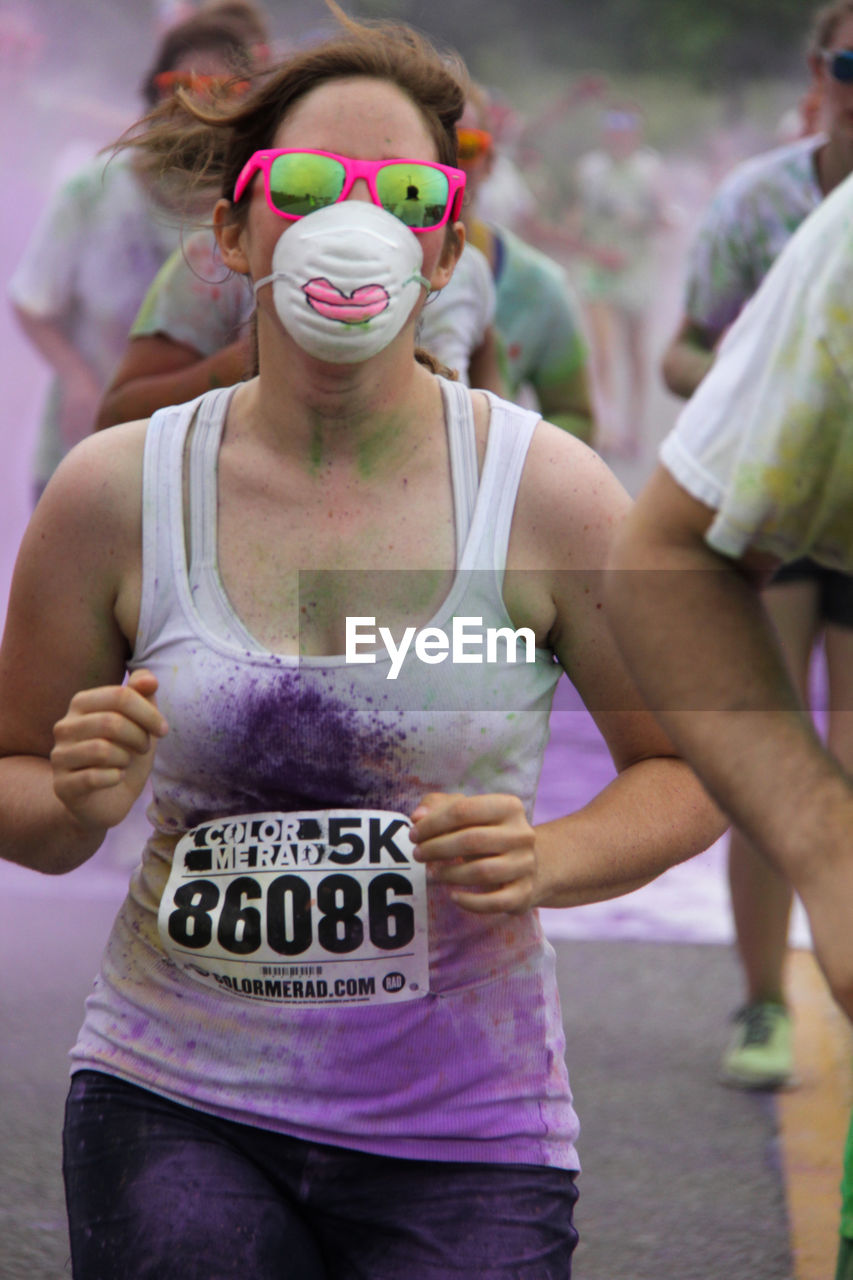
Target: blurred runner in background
100,242
619,211
538,319
249,18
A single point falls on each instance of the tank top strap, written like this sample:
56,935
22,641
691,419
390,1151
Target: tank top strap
201,488
208,594
462,446
165,580
510,432
162,519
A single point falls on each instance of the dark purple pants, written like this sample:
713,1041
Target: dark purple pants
158,1191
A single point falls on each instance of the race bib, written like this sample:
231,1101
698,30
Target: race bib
310,909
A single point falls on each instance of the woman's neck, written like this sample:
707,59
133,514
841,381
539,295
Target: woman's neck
368,417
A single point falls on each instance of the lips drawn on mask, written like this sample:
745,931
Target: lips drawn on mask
365,302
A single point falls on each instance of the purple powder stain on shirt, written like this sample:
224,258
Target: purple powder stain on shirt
269,748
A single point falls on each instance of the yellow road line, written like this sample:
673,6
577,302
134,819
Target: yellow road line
813,1119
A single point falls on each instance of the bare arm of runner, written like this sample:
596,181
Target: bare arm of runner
655,813
695,633
688,357
157,371
72,612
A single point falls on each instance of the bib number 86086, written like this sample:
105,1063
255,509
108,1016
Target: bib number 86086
287,916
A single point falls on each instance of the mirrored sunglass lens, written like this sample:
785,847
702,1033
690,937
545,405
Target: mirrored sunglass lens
841,66
299,184
415,193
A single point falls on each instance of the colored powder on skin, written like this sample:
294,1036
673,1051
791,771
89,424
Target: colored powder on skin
316,454
370,449
373,448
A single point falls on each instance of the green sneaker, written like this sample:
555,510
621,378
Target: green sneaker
760,1053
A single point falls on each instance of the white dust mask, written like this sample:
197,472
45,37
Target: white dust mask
345,280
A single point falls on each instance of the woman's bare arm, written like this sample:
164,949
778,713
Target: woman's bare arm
693,627
72,614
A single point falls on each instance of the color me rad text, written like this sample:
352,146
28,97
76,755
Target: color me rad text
335,893
468,642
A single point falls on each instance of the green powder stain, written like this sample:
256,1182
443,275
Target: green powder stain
375,447
316,452
370,451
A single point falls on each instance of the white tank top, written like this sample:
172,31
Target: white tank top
471,1069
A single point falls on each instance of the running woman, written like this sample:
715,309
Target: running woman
325,1041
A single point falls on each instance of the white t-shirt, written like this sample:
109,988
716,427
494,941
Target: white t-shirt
454,322
87,266
767,439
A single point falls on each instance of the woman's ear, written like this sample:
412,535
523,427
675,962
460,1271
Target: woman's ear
229,237
454,243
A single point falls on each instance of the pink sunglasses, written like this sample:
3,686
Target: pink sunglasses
297,182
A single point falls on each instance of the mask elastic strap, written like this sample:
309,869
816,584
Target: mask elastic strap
418,279
259,284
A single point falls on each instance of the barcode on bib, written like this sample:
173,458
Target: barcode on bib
290,970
